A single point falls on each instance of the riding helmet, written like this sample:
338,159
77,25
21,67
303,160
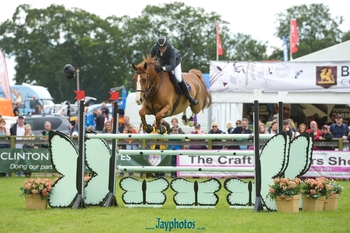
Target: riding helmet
69,71
162,42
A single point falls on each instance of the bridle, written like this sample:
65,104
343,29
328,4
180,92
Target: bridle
150,84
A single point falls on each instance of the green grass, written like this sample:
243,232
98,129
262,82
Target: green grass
16,218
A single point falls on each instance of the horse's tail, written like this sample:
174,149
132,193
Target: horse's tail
207,99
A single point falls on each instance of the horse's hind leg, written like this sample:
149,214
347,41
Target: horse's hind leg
191,120
184,118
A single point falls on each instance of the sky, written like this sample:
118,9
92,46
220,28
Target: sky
255,18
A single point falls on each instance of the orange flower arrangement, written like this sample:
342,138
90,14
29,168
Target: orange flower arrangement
315,188
284,188
39,186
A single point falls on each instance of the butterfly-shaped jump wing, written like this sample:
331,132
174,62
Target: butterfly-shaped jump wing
144,192
273,163
241,193
64,155
98,154
299,156
193,193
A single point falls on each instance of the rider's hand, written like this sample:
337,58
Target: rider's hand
159,69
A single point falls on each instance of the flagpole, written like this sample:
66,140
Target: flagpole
217,41
290,41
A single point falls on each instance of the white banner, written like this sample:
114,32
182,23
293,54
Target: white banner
279,76
331,164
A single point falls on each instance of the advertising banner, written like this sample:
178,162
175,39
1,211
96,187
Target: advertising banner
39,160
279,76
331,164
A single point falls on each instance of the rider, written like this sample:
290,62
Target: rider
170,61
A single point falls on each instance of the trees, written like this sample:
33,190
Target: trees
44,40
317,29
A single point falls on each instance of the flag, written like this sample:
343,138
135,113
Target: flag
285,49
4,79
219,49
293,36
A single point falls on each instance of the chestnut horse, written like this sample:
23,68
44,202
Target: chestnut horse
158,96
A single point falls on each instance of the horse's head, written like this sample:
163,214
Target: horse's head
144,78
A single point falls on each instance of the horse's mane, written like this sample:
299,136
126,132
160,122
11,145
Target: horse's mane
149,60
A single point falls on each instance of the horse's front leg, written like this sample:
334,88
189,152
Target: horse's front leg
142,113
184,118
159,117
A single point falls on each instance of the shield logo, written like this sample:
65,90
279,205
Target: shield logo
154,160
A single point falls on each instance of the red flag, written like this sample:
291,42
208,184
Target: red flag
114,95
220,51
80,95
294,37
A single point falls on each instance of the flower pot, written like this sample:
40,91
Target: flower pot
288,206
312,204
332,202
34,202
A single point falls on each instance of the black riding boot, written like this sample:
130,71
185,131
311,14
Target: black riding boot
185,91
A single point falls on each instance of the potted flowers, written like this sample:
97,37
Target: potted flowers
314,193
332,202
286,193
36,192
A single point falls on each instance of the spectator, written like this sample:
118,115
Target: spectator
229,127
175,125
174,147
99,122
238,123
126,121
158,147
45,133
105,111
301,129
16,109
338,128
215,130
314,131
28,135
269,123
74,129
4,132
91,129
287,128
108,127
326,135
273,129
129,129
197,130
262,128
243,129
18,130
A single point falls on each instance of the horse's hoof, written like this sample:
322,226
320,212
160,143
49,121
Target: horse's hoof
162,130
149,129
191,123
184,120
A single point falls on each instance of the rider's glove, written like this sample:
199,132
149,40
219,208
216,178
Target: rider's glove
159,69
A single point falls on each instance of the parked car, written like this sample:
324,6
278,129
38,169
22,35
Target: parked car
60,123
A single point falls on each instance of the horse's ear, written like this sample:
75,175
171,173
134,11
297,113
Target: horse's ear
145,66
133,66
